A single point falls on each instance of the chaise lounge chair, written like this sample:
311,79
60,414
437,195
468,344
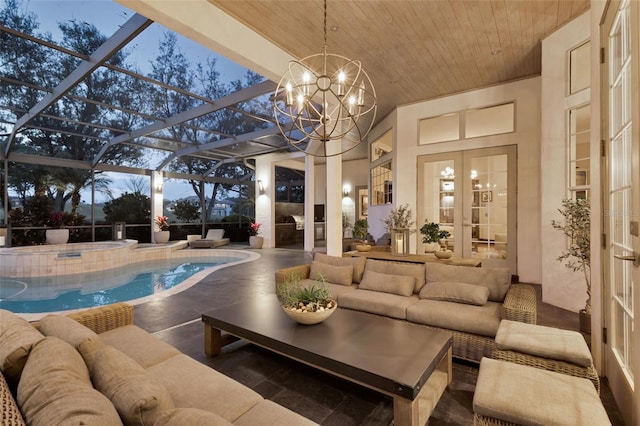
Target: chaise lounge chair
215,238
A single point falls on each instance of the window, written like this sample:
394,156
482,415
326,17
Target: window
579,151
440,129
381,184
580,68
489,121
382,146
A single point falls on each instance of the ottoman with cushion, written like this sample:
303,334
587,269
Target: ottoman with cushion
512,394
549,348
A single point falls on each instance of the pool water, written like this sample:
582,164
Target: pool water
68,292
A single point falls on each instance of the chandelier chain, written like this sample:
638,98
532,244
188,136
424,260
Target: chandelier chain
325,23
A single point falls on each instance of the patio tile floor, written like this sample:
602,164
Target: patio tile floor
321,397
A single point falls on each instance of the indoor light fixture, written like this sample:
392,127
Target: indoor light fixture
346,190
325,97
260,187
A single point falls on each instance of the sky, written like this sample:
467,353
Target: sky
107,16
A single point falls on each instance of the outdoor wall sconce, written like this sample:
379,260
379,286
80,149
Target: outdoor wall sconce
159,188
346,190
261,190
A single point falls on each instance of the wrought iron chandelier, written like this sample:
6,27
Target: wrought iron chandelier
322,98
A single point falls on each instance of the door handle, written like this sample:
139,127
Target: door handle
630,258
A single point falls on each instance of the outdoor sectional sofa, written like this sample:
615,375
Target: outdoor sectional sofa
469,302
62,372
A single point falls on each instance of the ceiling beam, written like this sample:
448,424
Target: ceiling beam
219,144
119,39
204,109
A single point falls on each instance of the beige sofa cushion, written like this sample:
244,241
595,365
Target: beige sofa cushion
268,413
139,345
377,302
333,274
358,263
483,320
66,329
546,342
497,280
531,396
17,337
336,290
190,416
194,385
55,368
455,292
401,285
400,268
138,396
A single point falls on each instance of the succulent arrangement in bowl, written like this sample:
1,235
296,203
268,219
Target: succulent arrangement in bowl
306,304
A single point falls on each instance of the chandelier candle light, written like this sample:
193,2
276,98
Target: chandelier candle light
325,97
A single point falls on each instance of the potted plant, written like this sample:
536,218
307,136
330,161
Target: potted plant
576,226
399,225
431,236
161,236
59,234
255,241
360,232
306,304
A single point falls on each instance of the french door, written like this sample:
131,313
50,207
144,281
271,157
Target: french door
621,185
472,194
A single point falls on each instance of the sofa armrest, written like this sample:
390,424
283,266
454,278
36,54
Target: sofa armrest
520,304
300,271
105,318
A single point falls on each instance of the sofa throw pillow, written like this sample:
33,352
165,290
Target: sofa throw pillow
497,280
332,274
55,389
395,284
190,416
455,292
357,262
88,348
398,268
138,397
17,337
66,329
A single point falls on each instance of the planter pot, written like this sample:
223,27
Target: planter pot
310,318
585,322
161,237
57,236
431,247
255,242
443,254
363,247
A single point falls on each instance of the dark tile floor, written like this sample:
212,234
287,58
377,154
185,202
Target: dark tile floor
321,397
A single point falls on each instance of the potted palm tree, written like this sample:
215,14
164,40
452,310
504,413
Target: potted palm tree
576,226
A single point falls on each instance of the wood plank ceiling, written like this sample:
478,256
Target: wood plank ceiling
416,50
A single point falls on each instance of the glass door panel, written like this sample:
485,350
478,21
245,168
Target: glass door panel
471,194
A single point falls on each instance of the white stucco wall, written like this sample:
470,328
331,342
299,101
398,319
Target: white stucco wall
560,285
526,94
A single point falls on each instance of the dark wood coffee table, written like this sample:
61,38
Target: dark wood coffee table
408,362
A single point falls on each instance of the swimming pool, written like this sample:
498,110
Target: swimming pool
34,297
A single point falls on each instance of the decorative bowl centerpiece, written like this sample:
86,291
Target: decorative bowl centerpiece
443,254
306,304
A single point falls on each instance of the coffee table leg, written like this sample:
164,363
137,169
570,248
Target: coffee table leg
212,340
412,413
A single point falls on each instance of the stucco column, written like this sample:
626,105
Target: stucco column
157,186
333,213
309,202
